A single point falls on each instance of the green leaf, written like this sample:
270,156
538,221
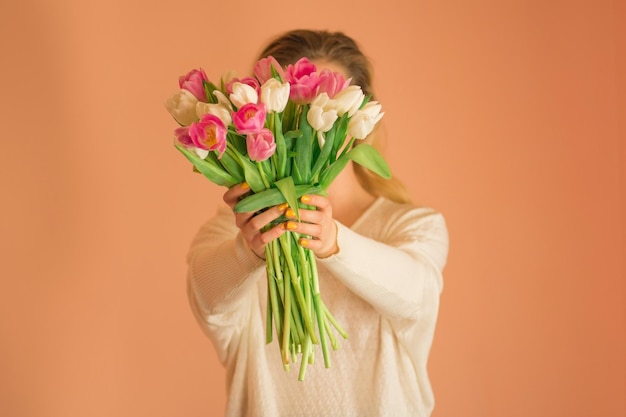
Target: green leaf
214,173
288,189
340,136
304,126
238,141
275,73
251,172
268,169
324,155
304,151
280,156
329,174
293,134
272,197
209,87
233,166
367,156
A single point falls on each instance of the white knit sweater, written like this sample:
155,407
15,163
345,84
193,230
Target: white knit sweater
383,287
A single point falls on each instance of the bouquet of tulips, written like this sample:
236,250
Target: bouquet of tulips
287,132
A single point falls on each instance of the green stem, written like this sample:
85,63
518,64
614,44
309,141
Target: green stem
319,311
270,256
306,273
347,147
304,361
316,284
286,322
268,317
334,322
331,336
308,323
269,268
320,325
297,330
271,115
262,174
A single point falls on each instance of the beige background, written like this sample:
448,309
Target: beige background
507,116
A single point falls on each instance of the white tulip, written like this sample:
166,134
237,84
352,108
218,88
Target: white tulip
372,108
364,120
215,109
275,95
222,99
348,100
182,107
202,153
243,94
320,116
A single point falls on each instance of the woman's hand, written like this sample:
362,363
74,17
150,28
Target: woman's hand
318,224
251,224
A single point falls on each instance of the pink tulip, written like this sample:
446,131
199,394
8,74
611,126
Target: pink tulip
263,69
251,81
261,145
331,82
302,68
193,82
250,118
304,81
182,136
209,134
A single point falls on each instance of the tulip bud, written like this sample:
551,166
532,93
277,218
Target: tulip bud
320,117
209,134
193,82
260,145
250,118
364,120
243,94
215,109
275,95
182,107
348,100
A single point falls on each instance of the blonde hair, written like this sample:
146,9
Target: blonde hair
343,50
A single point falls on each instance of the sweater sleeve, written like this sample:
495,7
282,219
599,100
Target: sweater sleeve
221,268
400,272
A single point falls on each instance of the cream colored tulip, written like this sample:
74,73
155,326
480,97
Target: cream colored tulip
243,94
222,99
182,107
320,116
215,109
364,120
348,100
275,95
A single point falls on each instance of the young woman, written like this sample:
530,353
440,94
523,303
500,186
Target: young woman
380,262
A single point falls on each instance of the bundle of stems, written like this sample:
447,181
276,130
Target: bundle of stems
295,306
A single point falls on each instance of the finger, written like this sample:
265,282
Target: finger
234,194
251,231
309,243
318,201
242,219
319,247
310,229
259,241
260,220
309,216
